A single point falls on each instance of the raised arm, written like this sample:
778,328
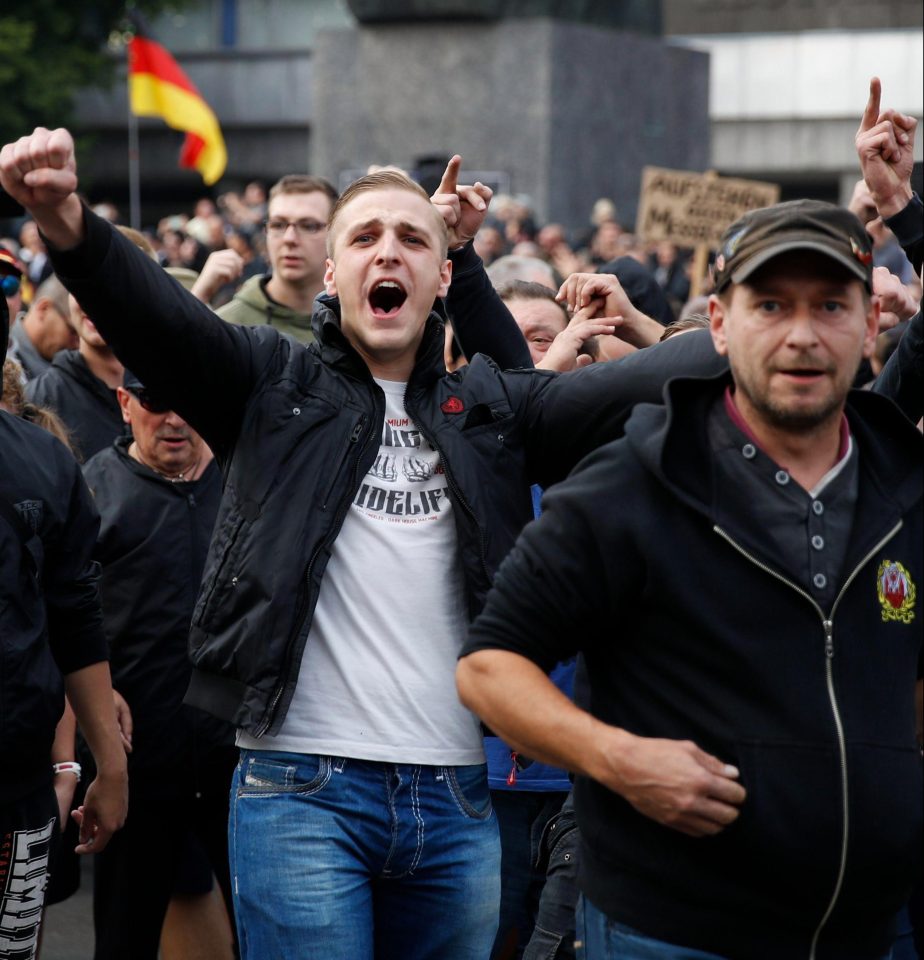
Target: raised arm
202,367
481,321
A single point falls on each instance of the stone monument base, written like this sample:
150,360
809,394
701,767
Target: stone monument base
571,112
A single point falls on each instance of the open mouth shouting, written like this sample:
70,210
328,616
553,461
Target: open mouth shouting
387,298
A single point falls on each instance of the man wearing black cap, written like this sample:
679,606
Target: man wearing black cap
749,782
157,492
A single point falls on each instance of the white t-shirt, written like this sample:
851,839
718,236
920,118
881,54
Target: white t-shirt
377,679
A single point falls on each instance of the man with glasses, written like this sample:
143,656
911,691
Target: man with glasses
296,232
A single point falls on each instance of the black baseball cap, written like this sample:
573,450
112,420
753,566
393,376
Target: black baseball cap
760,235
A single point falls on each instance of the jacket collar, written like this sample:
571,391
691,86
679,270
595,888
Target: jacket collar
337,351
672,442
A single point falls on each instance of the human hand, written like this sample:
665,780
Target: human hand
103,811
884,143
896,302
563,353
221,267
631,325
124,719
40,172
675,783
463,208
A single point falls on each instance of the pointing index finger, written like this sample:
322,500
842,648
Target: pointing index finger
871,113
450,179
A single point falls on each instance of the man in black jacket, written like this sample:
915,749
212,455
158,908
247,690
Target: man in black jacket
157,493
50,627
369,496
752,678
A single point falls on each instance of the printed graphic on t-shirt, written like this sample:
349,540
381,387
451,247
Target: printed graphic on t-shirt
23,879
406,483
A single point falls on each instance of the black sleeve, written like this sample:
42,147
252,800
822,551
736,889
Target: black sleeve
560,590
908,227
572,414
480,319
70,578
902,377
203,367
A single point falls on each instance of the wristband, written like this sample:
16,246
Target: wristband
69,766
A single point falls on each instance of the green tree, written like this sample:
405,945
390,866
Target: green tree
50,49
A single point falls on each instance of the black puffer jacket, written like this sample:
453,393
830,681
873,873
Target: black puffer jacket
295,429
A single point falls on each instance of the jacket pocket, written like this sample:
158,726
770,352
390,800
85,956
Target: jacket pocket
216,585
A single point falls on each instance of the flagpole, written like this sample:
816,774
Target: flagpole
134,180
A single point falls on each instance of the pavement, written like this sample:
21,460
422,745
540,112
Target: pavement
68,926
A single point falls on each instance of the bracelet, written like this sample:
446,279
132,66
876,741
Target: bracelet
69,766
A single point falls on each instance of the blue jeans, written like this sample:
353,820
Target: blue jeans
599,938
340,859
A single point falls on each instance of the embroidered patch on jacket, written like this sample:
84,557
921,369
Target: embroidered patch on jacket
452,405
896,592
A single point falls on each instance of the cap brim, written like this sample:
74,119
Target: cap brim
784,246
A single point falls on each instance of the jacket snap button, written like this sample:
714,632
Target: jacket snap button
296,410
500,438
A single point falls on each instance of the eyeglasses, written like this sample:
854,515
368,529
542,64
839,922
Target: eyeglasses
10,285
148,402
304,228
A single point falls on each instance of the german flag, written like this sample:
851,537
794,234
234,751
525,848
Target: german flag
159,88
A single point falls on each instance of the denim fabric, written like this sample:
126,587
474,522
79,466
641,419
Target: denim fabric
340,859
599,938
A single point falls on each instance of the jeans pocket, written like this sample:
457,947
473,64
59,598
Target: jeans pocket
268,775
468,786
544,945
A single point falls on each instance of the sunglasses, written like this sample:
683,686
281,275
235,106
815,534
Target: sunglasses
10,285
148,402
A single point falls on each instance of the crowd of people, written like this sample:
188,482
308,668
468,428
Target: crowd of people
272,469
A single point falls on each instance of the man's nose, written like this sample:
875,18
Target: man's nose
802,329
174,419
387,248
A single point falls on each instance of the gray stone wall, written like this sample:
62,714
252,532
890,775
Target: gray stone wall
572,112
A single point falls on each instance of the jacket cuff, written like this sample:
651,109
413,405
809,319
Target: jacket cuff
908,224
465,260
82,260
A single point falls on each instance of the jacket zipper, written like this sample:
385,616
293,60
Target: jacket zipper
303,612
828,626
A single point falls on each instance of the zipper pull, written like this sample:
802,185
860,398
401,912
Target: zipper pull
357,430
512,776
829,639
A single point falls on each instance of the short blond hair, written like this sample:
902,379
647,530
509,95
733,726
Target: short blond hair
385,180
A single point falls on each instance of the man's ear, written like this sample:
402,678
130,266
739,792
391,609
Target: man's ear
717,325
445,278
124,396
330,285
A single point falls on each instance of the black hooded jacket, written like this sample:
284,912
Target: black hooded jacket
695,627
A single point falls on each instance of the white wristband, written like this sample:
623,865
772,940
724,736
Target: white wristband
69,766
